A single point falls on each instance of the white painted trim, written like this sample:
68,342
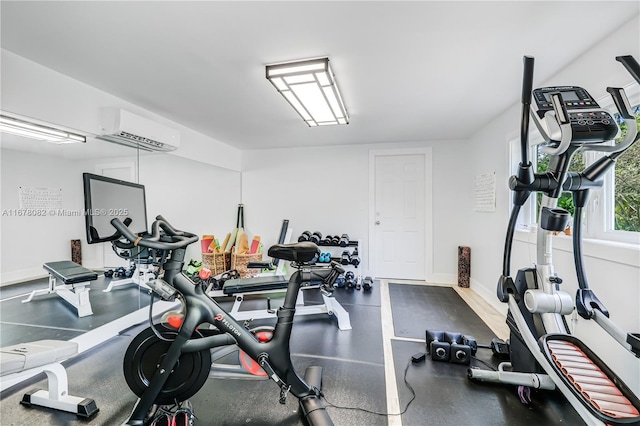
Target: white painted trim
22,275
617,252
490,297
428,203
391,386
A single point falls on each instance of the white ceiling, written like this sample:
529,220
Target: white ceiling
409,71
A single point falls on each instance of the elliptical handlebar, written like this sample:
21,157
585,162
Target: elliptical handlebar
527,87
179,239
562,118
631,65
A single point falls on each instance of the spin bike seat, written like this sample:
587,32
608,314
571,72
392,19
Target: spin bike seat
296,252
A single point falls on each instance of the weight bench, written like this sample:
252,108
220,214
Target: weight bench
46,355
238,288
76,279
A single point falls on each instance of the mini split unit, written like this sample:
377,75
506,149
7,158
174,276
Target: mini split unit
125,128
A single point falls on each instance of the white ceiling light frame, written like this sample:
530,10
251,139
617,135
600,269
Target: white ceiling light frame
310,88
34,130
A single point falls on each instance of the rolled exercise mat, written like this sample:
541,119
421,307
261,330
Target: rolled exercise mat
464,266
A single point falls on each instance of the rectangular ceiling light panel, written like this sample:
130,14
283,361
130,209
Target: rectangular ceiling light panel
310,88
38,131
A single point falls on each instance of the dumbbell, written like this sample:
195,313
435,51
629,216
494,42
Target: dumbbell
451,347
305,236
437,347
340,282
128,273
326,241
350,279
344,240
354,258
345,259
315,237
324,258
335,240
108,273
461,349
367,283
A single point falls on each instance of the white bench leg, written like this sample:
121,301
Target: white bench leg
78,296
48,290
57,396
335,308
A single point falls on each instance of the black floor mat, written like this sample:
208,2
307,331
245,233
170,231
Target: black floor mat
51,317
444,393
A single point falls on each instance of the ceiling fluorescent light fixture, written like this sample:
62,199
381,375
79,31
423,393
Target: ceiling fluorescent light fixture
29,129
310,88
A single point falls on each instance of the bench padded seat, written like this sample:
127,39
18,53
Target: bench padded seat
245,285
25,356
70,272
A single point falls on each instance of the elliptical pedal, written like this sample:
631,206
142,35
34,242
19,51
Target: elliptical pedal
603,392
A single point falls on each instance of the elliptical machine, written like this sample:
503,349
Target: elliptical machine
543,353
169,365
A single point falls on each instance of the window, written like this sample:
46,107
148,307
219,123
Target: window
613,212
626,184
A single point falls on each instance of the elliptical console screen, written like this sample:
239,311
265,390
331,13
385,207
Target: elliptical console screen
106,199
589,123
569,95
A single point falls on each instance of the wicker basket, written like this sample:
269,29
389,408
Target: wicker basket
239,262
216,262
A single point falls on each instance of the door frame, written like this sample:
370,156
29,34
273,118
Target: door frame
427,152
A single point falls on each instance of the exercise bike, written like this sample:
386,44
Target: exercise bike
543,353
167,365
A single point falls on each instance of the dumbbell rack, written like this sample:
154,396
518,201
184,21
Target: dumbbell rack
334,247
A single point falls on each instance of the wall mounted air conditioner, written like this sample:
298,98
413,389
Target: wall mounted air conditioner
125,128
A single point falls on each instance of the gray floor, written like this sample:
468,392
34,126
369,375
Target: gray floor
353,362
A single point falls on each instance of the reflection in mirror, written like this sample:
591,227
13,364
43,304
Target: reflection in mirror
193,195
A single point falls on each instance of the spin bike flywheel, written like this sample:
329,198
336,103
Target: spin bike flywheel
143,356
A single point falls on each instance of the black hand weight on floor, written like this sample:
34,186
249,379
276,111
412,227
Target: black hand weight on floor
437,347
367,283
350,279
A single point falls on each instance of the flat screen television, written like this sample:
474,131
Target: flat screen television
105,199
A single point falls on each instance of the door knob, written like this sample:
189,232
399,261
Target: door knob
377,222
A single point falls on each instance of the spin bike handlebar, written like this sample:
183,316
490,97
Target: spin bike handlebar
179,239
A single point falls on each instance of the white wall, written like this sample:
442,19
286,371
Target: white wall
28,242
613,270
327,190
191,195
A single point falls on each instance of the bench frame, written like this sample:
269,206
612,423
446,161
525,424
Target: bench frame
57,396
77,295
142,274
47,355
330,306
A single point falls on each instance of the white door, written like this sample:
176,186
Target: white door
399,212
122,171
